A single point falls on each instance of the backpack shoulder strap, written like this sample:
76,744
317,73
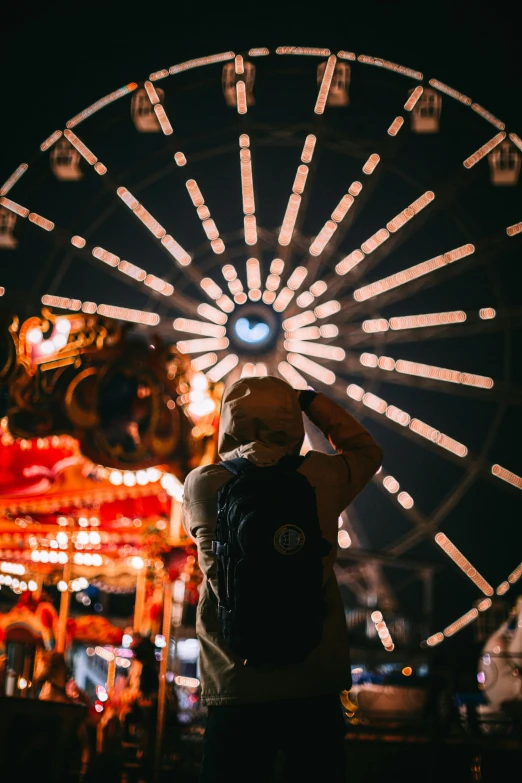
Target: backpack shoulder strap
237,466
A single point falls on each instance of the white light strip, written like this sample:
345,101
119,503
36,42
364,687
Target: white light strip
198,327
314,349
253,272
437,437
212,313
325,85
426,371
411,273
15,176
113,96
223,367
311,368
283,299
129,314
291,375
297,321
202,344
204,361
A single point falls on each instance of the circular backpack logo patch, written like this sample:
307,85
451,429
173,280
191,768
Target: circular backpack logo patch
289,539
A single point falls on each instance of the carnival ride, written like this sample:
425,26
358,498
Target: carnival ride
336,219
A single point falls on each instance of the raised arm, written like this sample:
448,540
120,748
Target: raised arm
358,455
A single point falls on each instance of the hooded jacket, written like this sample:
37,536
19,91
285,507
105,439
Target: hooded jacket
261,420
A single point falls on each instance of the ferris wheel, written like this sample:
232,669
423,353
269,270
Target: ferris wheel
335,219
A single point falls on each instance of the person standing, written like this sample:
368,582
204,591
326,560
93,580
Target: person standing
255,714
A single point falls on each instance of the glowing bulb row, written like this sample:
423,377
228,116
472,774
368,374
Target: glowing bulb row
326,82
174,248
382,631
203,211
392,486
425,371
463,563
412,273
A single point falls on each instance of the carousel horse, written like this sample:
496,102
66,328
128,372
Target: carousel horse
500,664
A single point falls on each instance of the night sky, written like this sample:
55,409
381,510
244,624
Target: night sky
56,64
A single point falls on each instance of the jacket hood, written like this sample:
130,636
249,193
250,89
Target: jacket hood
260,420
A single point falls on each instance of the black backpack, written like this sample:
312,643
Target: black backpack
269,548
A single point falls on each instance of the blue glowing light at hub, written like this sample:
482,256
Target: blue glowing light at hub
251,331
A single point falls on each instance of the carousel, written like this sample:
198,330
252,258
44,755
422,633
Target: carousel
93,514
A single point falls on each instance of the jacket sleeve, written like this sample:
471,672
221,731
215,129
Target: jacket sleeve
358,456
199,514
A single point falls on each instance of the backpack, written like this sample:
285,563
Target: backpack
269,549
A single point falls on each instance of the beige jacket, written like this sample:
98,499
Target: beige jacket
262,421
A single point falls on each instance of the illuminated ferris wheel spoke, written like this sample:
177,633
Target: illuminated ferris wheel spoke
13,179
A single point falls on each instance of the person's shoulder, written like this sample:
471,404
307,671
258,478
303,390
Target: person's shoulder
204,480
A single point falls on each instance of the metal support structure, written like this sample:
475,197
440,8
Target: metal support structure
162,688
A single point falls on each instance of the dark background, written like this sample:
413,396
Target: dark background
56,62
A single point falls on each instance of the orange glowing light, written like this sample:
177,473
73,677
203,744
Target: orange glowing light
104,255
349,262
129,314
342,208
407,671
463,563
511,231
414,97
287,229
241,98
45,145
306,333
250,227
355,392
450,91
346,55
437,638
225,302
308,148
175,249
461,622
260,51
507,475
210,229
371,164
375,403
194,192
484,150
322,238
373,242
300,179
503,588
14,207
159,75
15,176
369,60
113,96
515,575
218,246
239,65
180,159
395,126
61,301
297,278
488,116
253,272
305,50
405,500
40,221
199,61
163,120
355,188
269,297
78,241
428,319
82,148
325,85
132,271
